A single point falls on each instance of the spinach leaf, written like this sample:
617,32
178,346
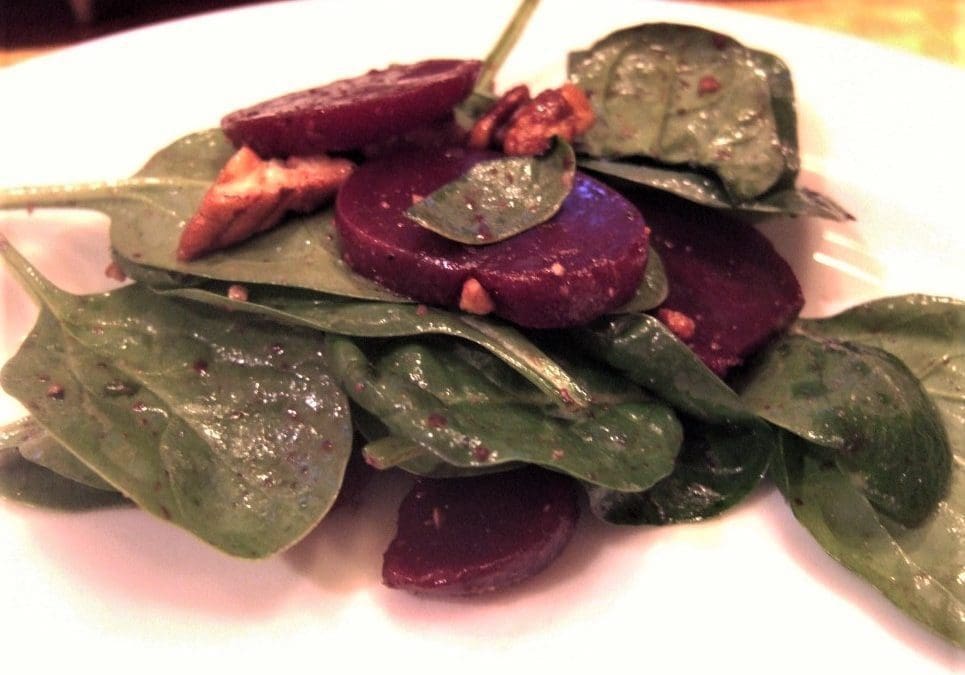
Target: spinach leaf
717,467
35,445
685,95
383,319
394,452
499,198
708,190
926,332
470,410
866,409
648,353
210,420
148,211
47,452
653,289
918,569
23,481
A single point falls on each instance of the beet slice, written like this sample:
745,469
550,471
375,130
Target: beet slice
351,113
585,261
466,536
724,276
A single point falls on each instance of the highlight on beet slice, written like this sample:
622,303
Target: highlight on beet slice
351,113
466,536
725,277
585,261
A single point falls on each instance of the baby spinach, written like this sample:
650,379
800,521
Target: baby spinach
471,410
926,332
148,211
653,289
24,481
866,409
648,353
918,569
383,319
708,190
717,467
212,421
47,452
499,198
685,95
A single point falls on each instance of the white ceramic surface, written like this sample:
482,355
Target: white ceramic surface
749,592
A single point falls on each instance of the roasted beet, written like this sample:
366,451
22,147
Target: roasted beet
349,114
729,289
467,536
585,261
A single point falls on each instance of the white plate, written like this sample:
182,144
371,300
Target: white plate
748,591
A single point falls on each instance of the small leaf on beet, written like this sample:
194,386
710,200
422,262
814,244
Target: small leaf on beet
498,198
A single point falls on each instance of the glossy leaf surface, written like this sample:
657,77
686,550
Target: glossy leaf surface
687,96
648,353
867,409
471,410
717,468
707,190
383,319
499,198
918,569
219,425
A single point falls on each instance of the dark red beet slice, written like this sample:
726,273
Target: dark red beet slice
724,275
585,261
467,536
349,114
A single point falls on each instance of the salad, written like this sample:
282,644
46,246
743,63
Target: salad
784,374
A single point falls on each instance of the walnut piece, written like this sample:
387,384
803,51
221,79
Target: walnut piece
251,195
474,298
525,126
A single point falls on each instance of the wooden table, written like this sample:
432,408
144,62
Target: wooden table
932,28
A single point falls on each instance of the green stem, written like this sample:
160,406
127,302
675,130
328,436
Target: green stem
72,195
500,51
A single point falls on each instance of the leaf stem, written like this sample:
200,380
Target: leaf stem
500,51
70,195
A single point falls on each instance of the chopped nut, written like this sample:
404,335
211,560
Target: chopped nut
679,323
114,271
238,292
251,195
474,298
564,112
483,133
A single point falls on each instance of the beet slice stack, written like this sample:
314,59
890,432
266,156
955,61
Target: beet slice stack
465,536
585,261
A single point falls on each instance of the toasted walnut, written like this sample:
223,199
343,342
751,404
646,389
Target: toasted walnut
474,298
564,112
524,126
679,323
251,195
483,133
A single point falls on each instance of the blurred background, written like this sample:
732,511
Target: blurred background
932,28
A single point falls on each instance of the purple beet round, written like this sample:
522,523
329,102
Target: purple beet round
724,275
467,536
351,113
585,261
